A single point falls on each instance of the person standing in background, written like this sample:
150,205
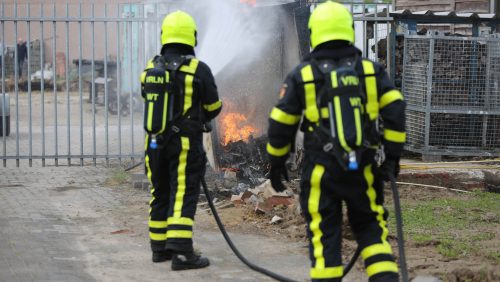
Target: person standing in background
22,54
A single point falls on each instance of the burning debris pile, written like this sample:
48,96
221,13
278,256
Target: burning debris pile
248,160
240,154
243,165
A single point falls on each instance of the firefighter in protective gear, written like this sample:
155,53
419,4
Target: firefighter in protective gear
326,183
176,162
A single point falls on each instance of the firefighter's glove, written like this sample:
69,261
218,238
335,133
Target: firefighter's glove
390,167
277,174
207,127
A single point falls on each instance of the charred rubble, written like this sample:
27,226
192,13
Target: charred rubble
247,159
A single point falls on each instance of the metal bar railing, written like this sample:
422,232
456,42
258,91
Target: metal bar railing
364,31
94,96
388,57
31,115
84,156
4,96
131,84
80,79
42,131
54,85
119,87
106,93
30,96
16,86
42,82
68,96
77,19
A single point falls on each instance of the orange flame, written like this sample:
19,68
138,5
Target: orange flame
233,128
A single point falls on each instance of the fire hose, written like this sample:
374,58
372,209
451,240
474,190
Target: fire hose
399,229
399,223
230,242
348,267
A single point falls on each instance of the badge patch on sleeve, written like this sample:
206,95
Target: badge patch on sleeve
283,90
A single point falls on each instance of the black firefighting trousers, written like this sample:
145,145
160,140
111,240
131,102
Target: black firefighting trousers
324,186
174,170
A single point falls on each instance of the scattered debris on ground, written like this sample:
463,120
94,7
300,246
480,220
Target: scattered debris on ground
449,234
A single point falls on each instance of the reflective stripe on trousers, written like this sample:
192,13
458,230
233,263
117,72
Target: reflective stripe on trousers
175,174
323,189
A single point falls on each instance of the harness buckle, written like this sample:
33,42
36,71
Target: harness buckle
328,147
176,129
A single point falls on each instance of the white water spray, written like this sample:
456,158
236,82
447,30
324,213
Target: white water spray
231,32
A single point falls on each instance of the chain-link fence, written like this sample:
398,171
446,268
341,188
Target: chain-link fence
451,85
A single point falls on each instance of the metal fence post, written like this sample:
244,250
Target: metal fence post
16,82
42,79
80,81
405,60
131,78
119,87
487,93
30,96
106,116
68,95
94,96
429,95
54,86
4,122
392,58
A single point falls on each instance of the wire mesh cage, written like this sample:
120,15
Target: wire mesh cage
451,85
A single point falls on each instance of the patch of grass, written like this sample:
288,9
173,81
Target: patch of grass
453,248
483,236
483,274
421,238
494,255
458,224
119,176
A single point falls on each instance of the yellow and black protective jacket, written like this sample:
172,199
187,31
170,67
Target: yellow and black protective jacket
196,97
298,101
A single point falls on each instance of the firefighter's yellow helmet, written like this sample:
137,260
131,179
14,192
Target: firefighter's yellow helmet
178,27
331,21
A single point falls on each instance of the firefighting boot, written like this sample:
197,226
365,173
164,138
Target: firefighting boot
162,256
189,260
